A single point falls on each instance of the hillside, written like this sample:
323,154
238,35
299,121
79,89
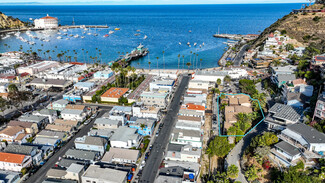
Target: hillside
10,22
307,28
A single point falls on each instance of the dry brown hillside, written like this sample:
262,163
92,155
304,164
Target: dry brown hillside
10,22
307,28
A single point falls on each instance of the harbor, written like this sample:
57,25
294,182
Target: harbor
246,37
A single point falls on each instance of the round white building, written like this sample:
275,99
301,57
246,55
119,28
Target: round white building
46,22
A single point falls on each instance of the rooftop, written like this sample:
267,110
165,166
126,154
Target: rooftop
32,118
11,158
84,84
115,92
55,82
286,112
307,132
105,174
288,148
75,107
107,121
119,153
11,130
124,134
19,149
81,154
75,168
91,140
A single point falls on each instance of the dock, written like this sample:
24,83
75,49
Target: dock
82,26
135,54
247,37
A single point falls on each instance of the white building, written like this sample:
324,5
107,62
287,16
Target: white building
211,76
186,137
103,175
125,137
46,23
176,152
121,156
14,162
71,72
162,83
38,67
141,111
71,114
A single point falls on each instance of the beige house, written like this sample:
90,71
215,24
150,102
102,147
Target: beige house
28,126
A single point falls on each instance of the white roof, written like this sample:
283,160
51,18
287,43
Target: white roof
105,174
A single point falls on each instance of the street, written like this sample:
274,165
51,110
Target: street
39,176
160,144
239,57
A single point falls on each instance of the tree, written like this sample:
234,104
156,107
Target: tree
218,81
3,105
142,126
289,47
251,173
220,146
188,64
262,151
227,79
12,88
232,171
149,65
122,100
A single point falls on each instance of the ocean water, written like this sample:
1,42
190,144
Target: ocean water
165,26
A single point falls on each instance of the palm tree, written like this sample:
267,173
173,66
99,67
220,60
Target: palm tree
157,65
178,60
149,65
142,126
201,63
227,79
232,171
188,65
218,81
163,58
183,62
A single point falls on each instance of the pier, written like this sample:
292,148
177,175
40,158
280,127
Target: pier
82,26
247,37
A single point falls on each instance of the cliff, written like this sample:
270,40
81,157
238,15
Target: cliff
10,22
307,28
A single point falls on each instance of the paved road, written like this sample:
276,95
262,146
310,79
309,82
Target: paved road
239,57
39,176
159,146
236,153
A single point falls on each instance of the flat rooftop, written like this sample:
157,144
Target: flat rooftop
115,92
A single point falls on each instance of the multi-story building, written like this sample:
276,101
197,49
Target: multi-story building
103,175
319,113
38,67
91,143
14,162
46,22
155,99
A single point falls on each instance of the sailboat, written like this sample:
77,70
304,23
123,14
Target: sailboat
179,43
194,44
145,37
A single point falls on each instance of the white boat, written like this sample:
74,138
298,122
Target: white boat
67,38
194,44
110,32
59,33
46,40
188,43
145,37
89,33
82,37
76,36
189,46
95,34
65,30
17,33
59,37
202,44
179,43
65,34
7,36
31,43
85,29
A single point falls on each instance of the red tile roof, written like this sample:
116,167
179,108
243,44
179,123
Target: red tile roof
48,17
115,92
11,158
76,63
24,74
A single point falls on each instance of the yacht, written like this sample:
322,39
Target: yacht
188,43
110,32
95,34
76,36
71,35
67,38
89,33
145,37
59,37
117,29
82,37
194,44
179,43
137,34
65,30
106,35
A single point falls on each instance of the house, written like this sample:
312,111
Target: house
73,95
155,99
119,113
56,173
71,114
47,141
11,133
297,100
193,107
58,105
70,123
211,76
177,152
53,134
50,83
283,75
141,111
54,180
318,60
190,119
38,67
104,175
39,120
186,137
104,133
125,137
14,162
196,99
191,113
4,87
145,126
281,115
301,138
79,154
31,151
103,74
50,113
319,113
176,174
60,128
9,176
188,124
74,172
104,123
84,86
201,84
121,156
162,83
91,143
113,94
28,127
68,71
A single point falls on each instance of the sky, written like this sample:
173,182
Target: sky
147,2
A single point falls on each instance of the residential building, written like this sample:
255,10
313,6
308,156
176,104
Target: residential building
197,99
103,175
141,111
53,134
113,94
201,84
177,152
58,105
125,137
71,114
121,156
14,162
145,126
71,123
79,154
155,99
186,137
50,113
91,143
287,154
319,113
73,95
281,115
162,83
119,113
4,87
68,72
9,176
104,133
11,133
84,86
47,22
170,174
60,128
104,123
74,172
31,151
103,74
39,120
211,76
38,67
31,128
318,60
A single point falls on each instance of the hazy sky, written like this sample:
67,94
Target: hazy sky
125,2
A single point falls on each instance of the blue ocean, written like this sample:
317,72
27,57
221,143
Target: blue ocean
168,28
